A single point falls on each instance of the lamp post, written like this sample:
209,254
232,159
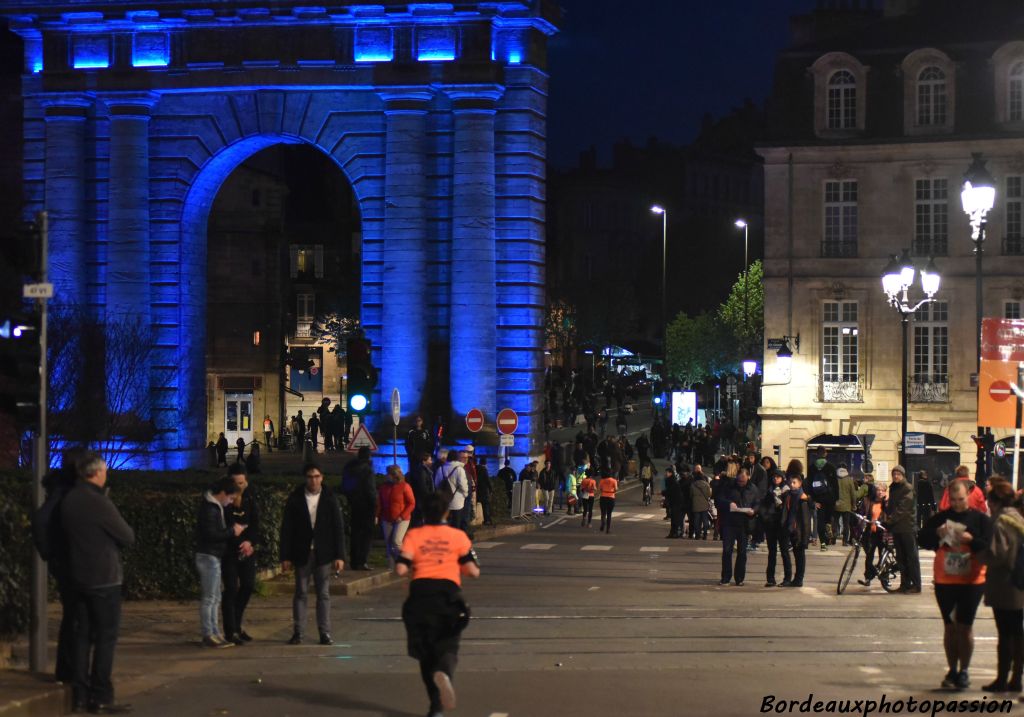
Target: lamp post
664,288
897,279
742,224
978,196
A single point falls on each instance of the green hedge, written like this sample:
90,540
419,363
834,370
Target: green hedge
15,554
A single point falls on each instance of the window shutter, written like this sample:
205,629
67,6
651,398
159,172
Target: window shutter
318,261
293,252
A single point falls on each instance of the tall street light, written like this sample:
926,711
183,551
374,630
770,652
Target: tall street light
749,365
978,196
897,279
664,288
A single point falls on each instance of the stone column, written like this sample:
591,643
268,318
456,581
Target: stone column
473,319
64,196
128,304
404,331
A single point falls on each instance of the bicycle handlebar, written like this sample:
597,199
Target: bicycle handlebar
875,523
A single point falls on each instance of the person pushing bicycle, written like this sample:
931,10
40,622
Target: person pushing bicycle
871,538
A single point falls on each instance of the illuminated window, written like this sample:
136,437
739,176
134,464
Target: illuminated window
931,97
842,100
304,313
840,342
307,261
931,343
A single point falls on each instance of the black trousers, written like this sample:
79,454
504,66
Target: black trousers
699,522
786,545
772,535
484,499
908,559
65,670
734,538
588,510
97,623
826,531
238,579
675,514
607,506
434,615
362,536
872,543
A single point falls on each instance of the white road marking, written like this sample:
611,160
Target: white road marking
709,550
870,670
654,549
813,592
556,522
596,547
485,546
499,714
538,546
590,590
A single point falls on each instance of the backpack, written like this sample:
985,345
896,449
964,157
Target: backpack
818,484
47,534
1017,574
445,488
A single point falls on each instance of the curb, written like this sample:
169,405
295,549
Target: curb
30,695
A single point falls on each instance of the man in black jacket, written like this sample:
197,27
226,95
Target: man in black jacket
823,487
901,521
96,535
212,535
421,480
357,485
313,541
238,566
417,441
740,499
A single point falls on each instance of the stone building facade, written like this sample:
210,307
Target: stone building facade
874,118
436,115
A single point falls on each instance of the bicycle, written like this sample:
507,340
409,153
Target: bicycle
887,570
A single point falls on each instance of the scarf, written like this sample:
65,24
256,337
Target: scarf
793,506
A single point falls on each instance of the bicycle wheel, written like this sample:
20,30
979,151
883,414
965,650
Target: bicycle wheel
849,565
889,572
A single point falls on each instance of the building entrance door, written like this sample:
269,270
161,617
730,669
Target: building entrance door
238,417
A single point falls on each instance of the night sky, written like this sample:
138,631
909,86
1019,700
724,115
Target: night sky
654,67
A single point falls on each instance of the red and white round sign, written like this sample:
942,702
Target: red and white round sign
1000,390
475,420
508,421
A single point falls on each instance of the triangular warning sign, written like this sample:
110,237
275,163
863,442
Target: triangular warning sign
360,439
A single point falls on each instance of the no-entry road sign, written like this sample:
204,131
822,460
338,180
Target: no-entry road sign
475,420
997,403
508,421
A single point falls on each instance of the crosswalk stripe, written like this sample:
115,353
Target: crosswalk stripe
596,547
538,546
654,549
485,545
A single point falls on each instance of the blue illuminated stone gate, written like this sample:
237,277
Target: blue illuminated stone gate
135,113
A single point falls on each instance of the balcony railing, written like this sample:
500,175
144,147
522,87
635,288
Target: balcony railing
929,389
1013,246
839,250
841,391
303,329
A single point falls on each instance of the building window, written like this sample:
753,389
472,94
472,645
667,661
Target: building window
305,311
307,261
930,382
1014,241
840,238
842,100
931,97
840,372
1011,309
930,209
1015,93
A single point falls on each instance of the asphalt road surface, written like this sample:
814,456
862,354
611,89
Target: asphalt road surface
570,621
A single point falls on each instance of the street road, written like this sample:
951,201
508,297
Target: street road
569,621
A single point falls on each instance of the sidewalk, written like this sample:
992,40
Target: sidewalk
171,627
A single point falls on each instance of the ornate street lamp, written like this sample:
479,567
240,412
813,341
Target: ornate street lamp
978,196
897,279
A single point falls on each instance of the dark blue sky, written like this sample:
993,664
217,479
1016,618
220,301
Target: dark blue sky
647,68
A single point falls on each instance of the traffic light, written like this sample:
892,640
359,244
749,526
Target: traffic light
362,376
19,368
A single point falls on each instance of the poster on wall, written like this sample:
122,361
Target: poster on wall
684,407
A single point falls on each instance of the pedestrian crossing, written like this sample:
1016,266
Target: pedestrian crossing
534,547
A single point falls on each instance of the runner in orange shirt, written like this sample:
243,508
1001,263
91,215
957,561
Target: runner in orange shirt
609,486
588,487
435,613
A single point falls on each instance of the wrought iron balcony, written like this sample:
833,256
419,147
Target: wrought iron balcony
841,391
929,389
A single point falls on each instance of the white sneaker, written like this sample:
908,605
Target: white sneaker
444,686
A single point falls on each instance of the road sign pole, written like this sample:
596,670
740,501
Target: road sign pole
37,640
1016,430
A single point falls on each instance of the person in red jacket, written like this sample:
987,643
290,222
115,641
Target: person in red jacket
395,503
975,497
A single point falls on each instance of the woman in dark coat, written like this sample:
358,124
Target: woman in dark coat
674,503
770,511
795,533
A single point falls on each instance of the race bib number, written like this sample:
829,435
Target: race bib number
957,563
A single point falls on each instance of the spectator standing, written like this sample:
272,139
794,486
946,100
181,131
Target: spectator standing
212,536
845,502
1005,599
96,535
901,521
268,433
238,566
546,484
357,485
484,489
796,525
770,512
417,440
421,480
700,503
740,503
313,542
222,450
